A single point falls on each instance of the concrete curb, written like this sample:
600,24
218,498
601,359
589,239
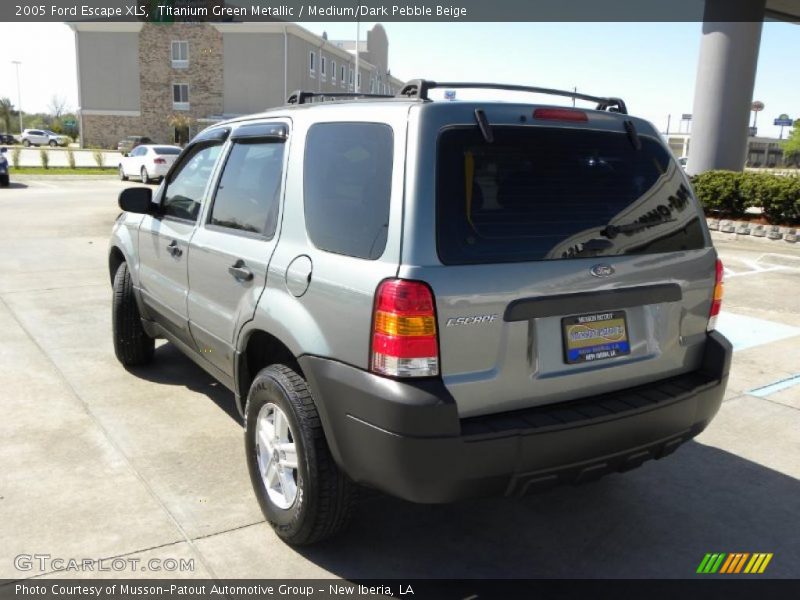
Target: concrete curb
728,229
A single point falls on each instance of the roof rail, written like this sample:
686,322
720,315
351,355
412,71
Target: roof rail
418,88
303,96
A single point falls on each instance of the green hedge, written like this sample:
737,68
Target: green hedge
729,194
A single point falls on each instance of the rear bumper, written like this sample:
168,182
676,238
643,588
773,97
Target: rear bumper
405,438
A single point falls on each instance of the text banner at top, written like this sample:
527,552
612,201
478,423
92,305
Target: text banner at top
173,11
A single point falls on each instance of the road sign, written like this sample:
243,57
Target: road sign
69,123
783,122
753,131
686,116
758,106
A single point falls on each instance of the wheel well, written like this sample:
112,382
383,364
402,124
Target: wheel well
115,259
261,351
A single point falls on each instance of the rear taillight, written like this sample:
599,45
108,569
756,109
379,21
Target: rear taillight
159,161
716,299
404,342
560,114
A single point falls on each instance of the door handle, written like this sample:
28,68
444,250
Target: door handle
240,271
174,249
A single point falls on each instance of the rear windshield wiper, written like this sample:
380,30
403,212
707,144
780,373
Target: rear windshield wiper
483,125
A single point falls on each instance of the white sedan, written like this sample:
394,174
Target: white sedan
148,162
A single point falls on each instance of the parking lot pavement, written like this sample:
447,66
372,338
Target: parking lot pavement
98,462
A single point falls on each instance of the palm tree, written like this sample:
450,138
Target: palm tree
6,112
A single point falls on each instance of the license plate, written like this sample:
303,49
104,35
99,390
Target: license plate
597,336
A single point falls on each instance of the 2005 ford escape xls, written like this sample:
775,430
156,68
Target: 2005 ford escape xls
436,299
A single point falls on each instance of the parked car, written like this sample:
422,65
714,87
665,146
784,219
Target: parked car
4,178
434,299
130,142
7,138
43,137
148,162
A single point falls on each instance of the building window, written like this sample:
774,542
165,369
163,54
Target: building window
351,77
180,96
180,54
333,71
322,67
312,63
358,81
344,75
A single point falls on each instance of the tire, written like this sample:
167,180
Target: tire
4,180
53,143
26,143
132,345
324,495
145,177
122,175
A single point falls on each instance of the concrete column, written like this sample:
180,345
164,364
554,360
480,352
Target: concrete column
726,75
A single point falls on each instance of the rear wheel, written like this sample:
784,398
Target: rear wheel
303,494
122,175
4,180
145,176
53,143
132,345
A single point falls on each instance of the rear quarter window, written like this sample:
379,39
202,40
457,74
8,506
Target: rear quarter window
539,193
347,177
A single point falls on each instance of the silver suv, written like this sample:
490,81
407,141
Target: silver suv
43,137
434,299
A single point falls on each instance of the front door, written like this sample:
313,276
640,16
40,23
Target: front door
164,239
231,249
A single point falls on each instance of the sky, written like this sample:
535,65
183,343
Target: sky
652,66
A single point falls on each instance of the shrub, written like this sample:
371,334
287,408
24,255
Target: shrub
718,191
98,157
70,158
44,156
15,156
781,203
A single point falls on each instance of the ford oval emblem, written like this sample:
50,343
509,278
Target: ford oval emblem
602,270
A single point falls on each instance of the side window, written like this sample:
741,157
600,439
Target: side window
347,182
184,193
248,195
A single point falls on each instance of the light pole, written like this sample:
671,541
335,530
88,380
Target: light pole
358,35
19,95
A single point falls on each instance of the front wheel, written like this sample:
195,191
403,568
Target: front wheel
53,143
132,345
303,494
26,143
4,181
145,176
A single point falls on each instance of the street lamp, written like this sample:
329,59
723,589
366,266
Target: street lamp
19,95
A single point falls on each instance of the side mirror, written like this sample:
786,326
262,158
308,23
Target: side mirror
136,200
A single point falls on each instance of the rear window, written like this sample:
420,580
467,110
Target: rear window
555,193
166,150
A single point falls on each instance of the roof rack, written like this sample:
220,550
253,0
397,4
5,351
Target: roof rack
303,96
418,88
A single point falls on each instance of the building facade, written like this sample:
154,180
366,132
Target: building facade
760,151
167,81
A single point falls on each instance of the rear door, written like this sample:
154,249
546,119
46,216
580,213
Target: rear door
230,252
567,257
164,238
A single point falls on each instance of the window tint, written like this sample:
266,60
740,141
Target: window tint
546,193
184,193
347,181
166,150
248,194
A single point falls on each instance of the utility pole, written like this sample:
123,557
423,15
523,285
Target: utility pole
669,118
358,36
19,95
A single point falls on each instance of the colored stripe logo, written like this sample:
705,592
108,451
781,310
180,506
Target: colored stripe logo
733,563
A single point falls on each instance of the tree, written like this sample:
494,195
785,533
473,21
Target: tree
791,147
57,106
6,112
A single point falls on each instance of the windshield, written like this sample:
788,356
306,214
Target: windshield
166,150
539,193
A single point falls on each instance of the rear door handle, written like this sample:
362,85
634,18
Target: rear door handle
174,249
240,271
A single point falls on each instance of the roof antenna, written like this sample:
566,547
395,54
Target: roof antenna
483,124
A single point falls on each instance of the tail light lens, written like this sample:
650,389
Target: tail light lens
716,299
404,341
160,161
